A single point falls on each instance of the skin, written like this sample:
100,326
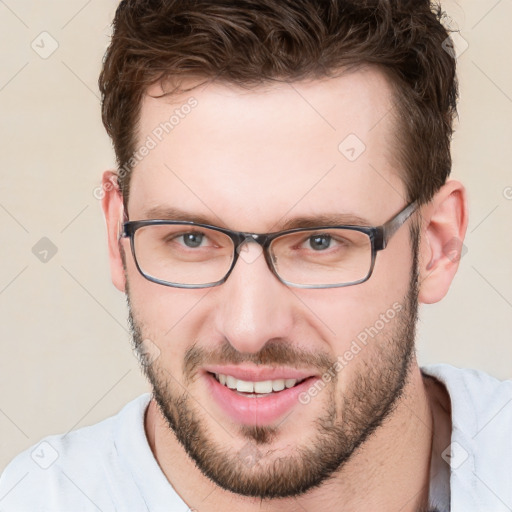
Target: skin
251,160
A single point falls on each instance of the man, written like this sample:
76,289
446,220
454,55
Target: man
280,208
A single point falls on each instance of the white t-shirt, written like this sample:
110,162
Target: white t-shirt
110,467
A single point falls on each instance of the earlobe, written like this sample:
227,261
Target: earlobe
112,204
444,226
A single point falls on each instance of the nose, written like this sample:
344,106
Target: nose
255,306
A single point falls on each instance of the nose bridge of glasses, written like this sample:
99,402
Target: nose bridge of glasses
250,238
254,237
242,247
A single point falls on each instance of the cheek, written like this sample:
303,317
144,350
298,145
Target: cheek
368,336
363,314
345,313
167,316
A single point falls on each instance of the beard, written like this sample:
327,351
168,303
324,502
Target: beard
257,470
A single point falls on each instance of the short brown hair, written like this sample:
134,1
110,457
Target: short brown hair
251,42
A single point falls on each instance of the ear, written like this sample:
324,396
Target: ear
444,224
112,204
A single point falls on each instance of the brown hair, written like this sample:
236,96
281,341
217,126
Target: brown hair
251,42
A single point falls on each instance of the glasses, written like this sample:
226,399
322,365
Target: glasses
192,255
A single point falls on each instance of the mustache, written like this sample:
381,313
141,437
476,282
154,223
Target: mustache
276,352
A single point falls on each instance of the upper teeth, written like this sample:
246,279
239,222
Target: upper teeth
264,386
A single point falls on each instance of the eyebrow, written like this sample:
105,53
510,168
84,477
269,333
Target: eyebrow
333,219
328,219
172,213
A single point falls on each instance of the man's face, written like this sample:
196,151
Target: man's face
251,161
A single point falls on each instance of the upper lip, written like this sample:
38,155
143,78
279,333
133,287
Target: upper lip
257,374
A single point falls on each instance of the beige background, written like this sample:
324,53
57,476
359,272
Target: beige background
66,359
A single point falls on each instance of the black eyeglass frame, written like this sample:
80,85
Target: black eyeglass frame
379,238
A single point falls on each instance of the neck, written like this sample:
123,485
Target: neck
390,471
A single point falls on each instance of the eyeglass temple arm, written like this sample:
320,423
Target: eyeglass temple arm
386,231
120,224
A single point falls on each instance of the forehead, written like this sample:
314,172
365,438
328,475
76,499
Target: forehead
248,157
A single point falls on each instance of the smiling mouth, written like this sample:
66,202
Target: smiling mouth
261,397
256,388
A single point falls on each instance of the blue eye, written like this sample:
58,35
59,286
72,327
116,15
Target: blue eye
319,242
192,239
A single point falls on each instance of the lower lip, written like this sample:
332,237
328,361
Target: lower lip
256,409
